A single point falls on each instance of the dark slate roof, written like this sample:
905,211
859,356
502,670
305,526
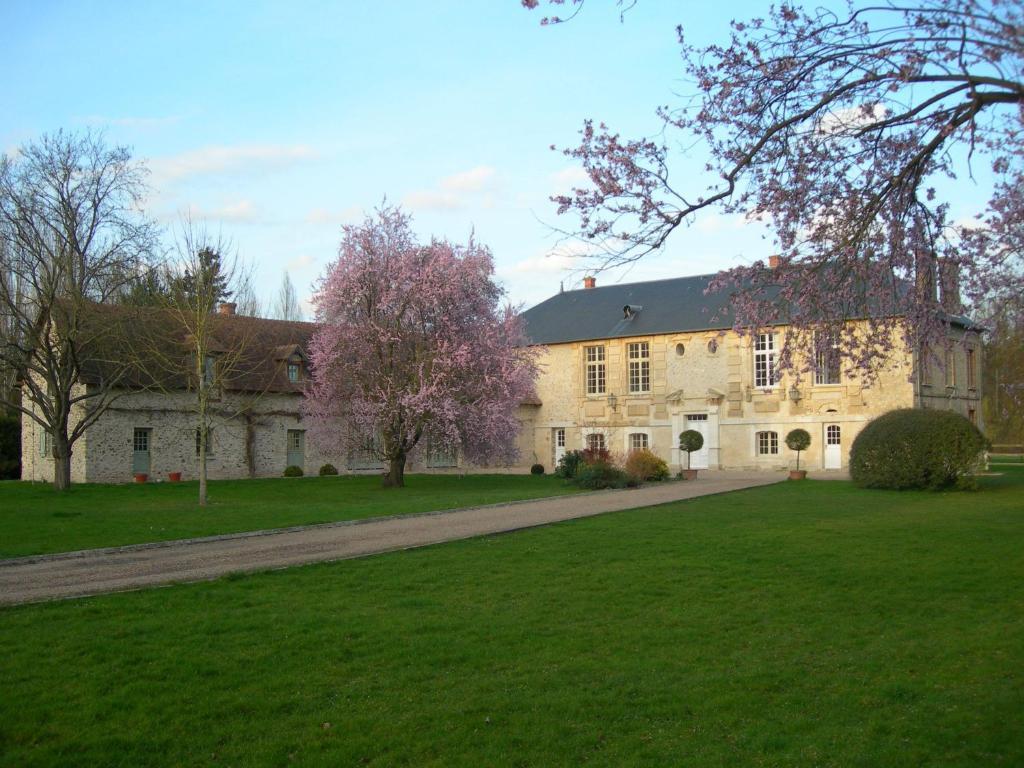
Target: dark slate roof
666,306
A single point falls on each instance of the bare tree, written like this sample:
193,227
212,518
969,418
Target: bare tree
70,234
287,306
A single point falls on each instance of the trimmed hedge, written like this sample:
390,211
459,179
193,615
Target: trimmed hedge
602,474
293,470
916,448
537,469
328,469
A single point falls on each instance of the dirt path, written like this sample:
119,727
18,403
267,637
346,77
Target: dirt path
90,572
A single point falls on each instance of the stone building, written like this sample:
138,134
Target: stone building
630,366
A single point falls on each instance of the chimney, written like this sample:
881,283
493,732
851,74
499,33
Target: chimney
924,275
774,260
949,285
227,308
589,282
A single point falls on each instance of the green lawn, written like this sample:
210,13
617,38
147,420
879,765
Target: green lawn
35,519
799,624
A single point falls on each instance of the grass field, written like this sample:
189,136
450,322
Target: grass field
798,624
35,519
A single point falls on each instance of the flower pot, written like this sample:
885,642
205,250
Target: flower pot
141,477
689,474
798,474
174,477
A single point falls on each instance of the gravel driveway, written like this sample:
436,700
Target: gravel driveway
95,571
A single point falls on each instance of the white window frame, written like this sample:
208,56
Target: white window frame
638,354
826,360
46,444
296,368
594,371
768,440
765,361
595,437
640,433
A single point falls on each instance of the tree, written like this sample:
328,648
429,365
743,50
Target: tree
690,440
287,305
415,349
1003,379
70,234
839,129
798,440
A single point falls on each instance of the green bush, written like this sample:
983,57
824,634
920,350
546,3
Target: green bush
798,440
643,465
328,469
915,448
602,474
691,440
537,469
293,470
10,447
569,464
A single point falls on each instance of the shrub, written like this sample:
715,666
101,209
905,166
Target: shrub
328,469
691,440
602,474
293,470
643,464
798,440
537,469
569,464
913,448
594,455
10,447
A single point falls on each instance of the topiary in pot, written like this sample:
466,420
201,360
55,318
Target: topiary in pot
917,448
537,469
293,470
691,440
328,469
798,440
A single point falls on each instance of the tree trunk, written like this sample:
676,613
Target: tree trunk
202,467
395,476
61,468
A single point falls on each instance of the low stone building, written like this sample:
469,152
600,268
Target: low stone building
633,365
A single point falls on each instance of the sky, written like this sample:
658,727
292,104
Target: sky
275,123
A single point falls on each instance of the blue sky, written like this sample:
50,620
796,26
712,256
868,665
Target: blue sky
276,122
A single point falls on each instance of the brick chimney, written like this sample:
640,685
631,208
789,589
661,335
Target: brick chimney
949,285
227,308
589,282
774,260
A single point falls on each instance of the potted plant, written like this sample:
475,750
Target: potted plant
798,440
174,477
691,440
141,477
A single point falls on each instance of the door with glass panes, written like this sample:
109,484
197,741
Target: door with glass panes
296,448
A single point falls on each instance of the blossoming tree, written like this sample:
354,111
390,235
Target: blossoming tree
414,350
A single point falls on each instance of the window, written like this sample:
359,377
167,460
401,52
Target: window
638,441
293,372
46,444
767,443
140,440
972,381
764,360
826,358
209,441
595,370
950,368
441,457
972,416
712,346
209,370
595,442
639,356
294,439
680,350
833,436
560,437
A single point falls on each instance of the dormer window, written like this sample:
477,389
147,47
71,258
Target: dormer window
293,372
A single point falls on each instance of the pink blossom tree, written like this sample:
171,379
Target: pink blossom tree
840,129
415,349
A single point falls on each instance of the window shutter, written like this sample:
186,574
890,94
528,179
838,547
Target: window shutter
42,443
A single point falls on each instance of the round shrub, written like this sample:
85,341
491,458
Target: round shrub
602,474
537,469
914,448
569,464
798,440
643,465
328,469
691,440
293,470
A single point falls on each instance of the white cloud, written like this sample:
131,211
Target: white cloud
475,186
243,211
301,262
325,216
227,160
851,118
568,178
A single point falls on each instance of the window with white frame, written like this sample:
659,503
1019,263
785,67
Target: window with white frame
595,370
767,443
950,368
826,358
764,360
46,444
293,372
596,442
638,353
638,441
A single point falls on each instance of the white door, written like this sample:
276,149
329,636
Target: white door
698,422
833,447
558,440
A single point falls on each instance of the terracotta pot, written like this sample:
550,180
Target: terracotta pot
141,477
798,474
174,477
689,474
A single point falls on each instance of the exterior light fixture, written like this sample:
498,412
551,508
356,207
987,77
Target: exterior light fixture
613,401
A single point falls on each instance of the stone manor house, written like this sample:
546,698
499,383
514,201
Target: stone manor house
623,367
